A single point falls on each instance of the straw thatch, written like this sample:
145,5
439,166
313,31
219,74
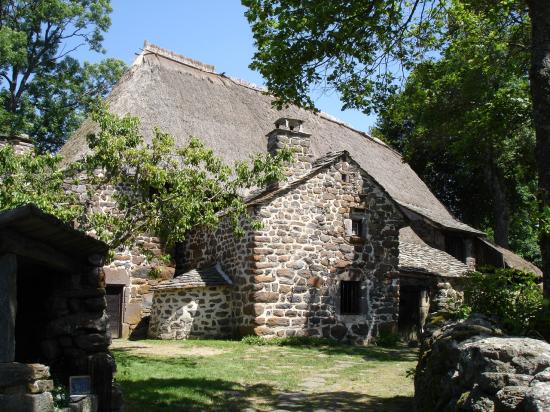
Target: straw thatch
187,98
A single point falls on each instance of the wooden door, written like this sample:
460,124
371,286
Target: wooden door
114,309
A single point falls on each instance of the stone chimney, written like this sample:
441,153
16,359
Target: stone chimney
21,144
288,133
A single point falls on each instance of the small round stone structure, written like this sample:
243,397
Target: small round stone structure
196,304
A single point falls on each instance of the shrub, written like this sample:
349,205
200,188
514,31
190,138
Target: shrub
512,295
255,340
387,339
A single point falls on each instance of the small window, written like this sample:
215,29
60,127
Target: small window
350,297
357,227
345,178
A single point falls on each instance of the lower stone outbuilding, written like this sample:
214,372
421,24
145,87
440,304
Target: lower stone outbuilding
195,304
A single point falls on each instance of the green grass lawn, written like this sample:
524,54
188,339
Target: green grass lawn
218,375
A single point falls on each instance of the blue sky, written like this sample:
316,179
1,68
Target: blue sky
212,31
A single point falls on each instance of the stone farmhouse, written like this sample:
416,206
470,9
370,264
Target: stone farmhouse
353,244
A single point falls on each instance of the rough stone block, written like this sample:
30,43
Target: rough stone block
265,297
41,402
116,276
132,314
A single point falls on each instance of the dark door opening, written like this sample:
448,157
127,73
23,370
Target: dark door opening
114,309
413,310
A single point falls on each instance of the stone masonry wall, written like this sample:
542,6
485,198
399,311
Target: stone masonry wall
206,248
287,275
129,268
196,312
305,250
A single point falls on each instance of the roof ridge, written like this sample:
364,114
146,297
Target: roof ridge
169,54
179,58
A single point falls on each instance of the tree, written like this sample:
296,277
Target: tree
464,124
357,47
160,189
43,91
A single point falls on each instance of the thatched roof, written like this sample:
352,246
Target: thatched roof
187,98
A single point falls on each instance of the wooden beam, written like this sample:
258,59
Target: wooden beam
13,242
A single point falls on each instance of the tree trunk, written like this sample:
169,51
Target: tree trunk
501,212
539,11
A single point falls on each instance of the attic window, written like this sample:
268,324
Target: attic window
345,178
350,297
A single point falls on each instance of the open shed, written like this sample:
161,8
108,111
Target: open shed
52,311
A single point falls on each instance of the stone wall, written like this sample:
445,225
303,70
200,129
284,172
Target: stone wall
203,312
472,366
21,144
205,248
306,249
130,267
25,387
288,273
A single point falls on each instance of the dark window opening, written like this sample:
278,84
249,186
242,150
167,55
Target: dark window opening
345,178
350,297
454,246
357,227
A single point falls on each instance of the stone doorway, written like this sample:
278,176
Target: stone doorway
414,304
114,296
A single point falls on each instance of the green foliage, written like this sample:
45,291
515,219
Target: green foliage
388,339
43,91
349,46
299,341
464,123
61,398
255,340
512,295
160,189
35,178
163,189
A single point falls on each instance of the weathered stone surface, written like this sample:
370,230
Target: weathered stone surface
42,402
265,297
194,312
117,276
132,313
471,365
40,386
15,373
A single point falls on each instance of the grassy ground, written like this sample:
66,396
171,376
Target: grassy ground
217,375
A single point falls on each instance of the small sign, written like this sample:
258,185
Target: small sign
80,385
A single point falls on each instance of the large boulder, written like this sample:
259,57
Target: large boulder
472,366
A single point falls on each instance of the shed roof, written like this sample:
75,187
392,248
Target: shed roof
32,223
196,278
512,260
187,98
418,257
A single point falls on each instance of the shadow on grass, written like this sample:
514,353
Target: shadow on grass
191,394
332,347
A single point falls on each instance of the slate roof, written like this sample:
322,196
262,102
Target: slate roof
196,278
512,260
188,98
418,257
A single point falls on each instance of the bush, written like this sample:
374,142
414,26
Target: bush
512,295
288,341
387,340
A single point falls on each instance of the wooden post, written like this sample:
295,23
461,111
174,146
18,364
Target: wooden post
8,306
